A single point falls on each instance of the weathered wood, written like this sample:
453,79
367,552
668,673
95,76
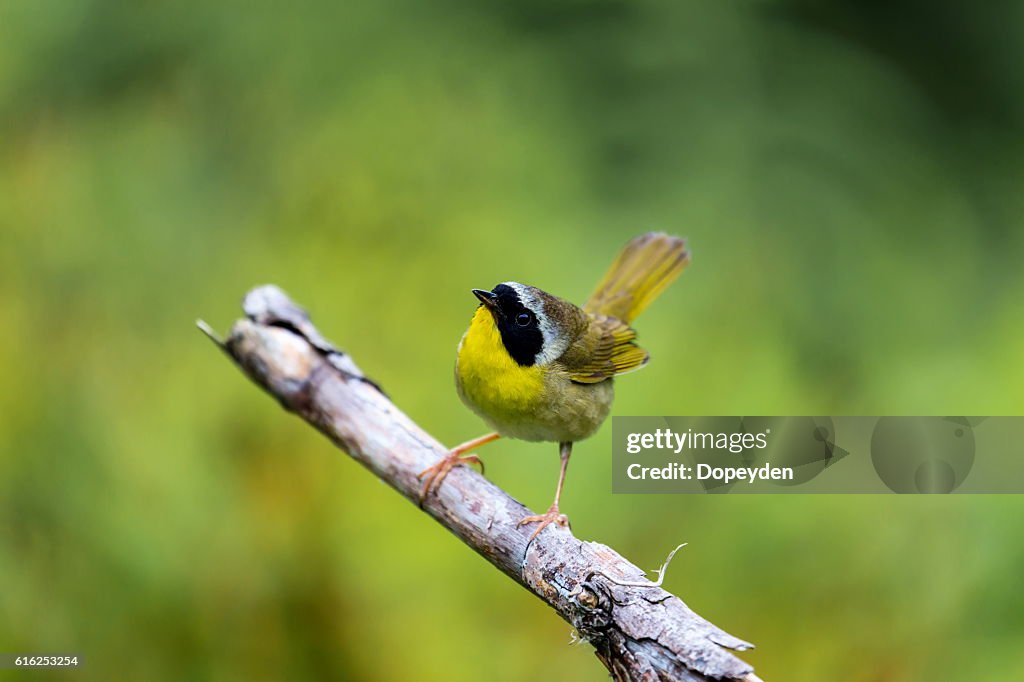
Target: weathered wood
639,633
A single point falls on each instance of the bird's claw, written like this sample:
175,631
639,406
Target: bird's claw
552,515
437,473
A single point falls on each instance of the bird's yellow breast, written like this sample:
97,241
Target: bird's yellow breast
488,379
536,403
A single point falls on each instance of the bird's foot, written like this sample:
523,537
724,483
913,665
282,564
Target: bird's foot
546,519
437,473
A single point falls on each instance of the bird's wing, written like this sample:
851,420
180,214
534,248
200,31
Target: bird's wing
604,349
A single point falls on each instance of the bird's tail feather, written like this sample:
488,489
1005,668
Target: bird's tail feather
643,269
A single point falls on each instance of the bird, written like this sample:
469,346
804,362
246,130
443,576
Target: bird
536,367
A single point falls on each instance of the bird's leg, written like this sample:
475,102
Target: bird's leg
553,515
436,474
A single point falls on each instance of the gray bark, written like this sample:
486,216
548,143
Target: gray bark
638,633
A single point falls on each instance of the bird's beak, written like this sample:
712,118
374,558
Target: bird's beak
487,298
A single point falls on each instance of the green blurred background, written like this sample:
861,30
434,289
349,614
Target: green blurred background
849,174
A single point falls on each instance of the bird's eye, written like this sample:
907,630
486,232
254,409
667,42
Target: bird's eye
523,319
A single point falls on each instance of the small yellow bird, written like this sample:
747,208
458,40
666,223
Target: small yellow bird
538,368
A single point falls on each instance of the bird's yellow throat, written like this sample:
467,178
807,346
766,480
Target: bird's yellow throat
489,375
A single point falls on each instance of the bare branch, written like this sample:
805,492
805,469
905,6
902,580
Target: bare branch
638,630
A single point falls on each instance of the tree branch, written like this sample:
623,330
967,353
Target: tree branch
638,633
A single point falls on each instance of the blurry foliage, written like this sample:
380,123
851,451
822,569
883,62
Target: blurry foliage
849,176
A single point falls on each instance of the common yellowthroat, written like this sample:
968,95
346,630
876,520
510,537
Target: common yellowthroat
538,368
